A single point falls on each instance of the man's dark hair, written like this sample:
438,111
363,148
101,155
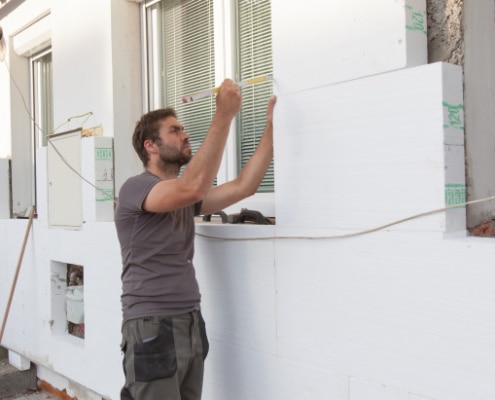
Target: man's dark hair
147,129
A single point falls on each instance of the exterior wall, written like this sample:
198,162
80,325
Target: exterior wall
387,316
363,138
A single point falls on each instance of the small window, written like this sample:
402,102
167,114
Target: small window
42,103
42,88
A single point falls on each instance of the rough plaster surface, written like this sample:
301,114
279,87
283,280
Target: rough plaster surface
445,31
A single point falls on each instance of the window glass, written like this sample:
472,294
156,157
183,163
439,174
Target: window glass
181,61
42,97
254,49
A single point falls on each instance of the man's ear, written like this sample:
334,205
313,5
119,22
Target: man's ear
150,146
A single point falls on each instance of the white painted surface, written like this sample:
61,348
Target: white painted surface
403,313
65,205
18,361
34,37
26,13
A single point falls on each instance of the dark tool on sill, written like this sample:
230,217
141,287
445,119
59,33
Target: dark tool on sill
207,218
249,216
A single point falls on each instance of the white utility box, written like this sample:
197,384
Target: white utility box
75,304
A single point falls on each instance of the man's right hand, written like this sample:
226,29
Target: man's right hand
228,99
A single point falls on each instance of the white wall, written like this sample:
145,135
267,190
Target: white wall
404,313
37,328
398,314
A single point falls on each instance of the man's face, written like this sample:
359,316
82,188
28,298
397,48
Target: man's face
173,143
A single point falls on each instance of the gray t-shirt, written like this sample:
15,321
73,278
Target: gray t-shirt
158,276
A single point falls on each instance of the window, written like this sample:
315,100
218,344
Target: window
42,88
193,45
33,66
42,102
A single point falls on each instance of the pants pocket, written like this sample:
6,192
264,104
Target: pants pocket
204,337
156,358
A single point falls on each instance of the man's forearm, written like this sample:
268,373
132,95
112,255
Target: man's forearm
203,168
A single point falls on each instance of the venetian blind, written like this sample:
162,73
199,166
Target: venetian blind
186,59
43,95
254,50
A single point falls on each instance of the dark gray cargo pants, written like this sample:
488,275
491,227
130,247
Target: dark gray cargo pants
164,357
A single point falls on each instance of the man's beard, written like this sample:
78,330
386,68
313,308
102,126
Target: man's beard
172,155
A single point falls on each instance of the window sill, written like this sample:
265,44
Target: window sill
215,229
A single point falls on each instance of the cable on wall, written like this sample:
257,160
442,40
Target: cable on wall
354,234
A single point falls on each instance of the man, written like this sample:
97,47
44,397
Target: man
163,334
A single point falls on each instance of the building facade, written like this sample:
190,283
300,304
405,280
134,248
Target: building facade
368,285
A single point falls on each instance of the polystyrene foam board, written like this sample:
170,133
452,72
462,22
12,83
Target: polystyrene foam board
235,372
455,188
362,390
231,321
361,154
324,42
406,310
98,168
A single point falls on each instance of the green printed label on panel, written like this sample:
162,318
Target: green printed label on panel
455,193
104,153
104,195
416,20
455,116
